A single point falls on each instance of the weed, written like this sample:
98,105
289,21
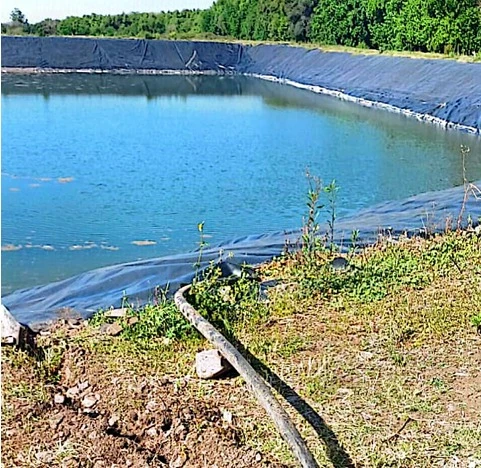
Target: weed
311,243
439,384
49,361
354,240
161,320
470,189
227,304
331,195
476,321
202,245
310,230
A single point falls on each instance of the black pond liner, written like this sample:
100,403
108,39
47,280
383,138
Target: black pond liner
105,287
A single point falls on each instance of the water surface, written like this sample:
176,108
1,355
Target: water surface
98,170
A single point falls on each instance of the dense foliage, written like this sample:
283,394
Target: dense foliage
443,26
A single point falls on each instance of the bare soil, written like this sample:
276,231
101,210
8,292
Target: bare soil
87,416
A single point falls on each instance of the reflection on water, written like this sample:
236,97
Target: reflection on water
103,169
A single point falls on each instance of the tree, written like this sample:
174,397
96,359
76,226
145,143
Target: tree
343,23
299,14
18,17
47,27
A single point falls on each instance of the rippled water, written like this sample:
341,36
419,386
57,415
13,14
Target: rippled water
98,170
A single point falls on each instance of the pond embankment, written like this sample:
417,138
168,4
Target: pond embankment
444,92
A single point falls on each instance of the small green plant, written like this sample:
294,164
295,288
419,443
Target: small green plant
202,245
470,189
331,194
227,304
154,321
310,241
49,361
354,239
476,321
439,384
158,320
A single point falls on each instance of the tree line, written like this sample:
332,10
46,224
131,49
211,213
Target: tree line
442,26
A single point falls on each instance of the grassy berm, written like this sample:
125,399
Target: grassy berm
379,364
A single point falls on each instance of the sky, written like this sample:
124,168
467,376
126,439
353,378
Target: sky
37,10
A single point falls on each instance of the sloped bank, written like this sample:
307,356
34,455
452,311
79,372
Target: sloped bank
444,92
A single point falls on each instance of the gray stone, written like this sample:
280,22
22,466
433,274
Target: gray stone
83,386
152,432
227,416
113,420
73,392
133,320
116,313
211,364
59,399
339,264
89,401
56,421
179,462
112,329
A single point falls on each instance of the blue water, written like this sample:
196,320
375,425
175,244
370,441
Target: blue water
94,166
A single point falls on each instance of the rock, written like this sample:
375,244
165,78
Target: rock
151,406
179,462
59,399
45,457
227,416
74,323
116,313
113,329
83,385
365,355
339,263
13,332
113,420
258,457
133,320
73,392
89,401
55,421
152,432
180,429
211,364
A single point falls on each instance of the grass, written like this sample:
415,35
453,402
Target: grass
384,353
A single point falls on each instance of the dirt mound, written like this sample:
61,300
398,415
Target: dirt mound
88,416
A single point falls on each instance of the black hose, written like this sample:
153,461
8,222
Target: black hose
256,384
